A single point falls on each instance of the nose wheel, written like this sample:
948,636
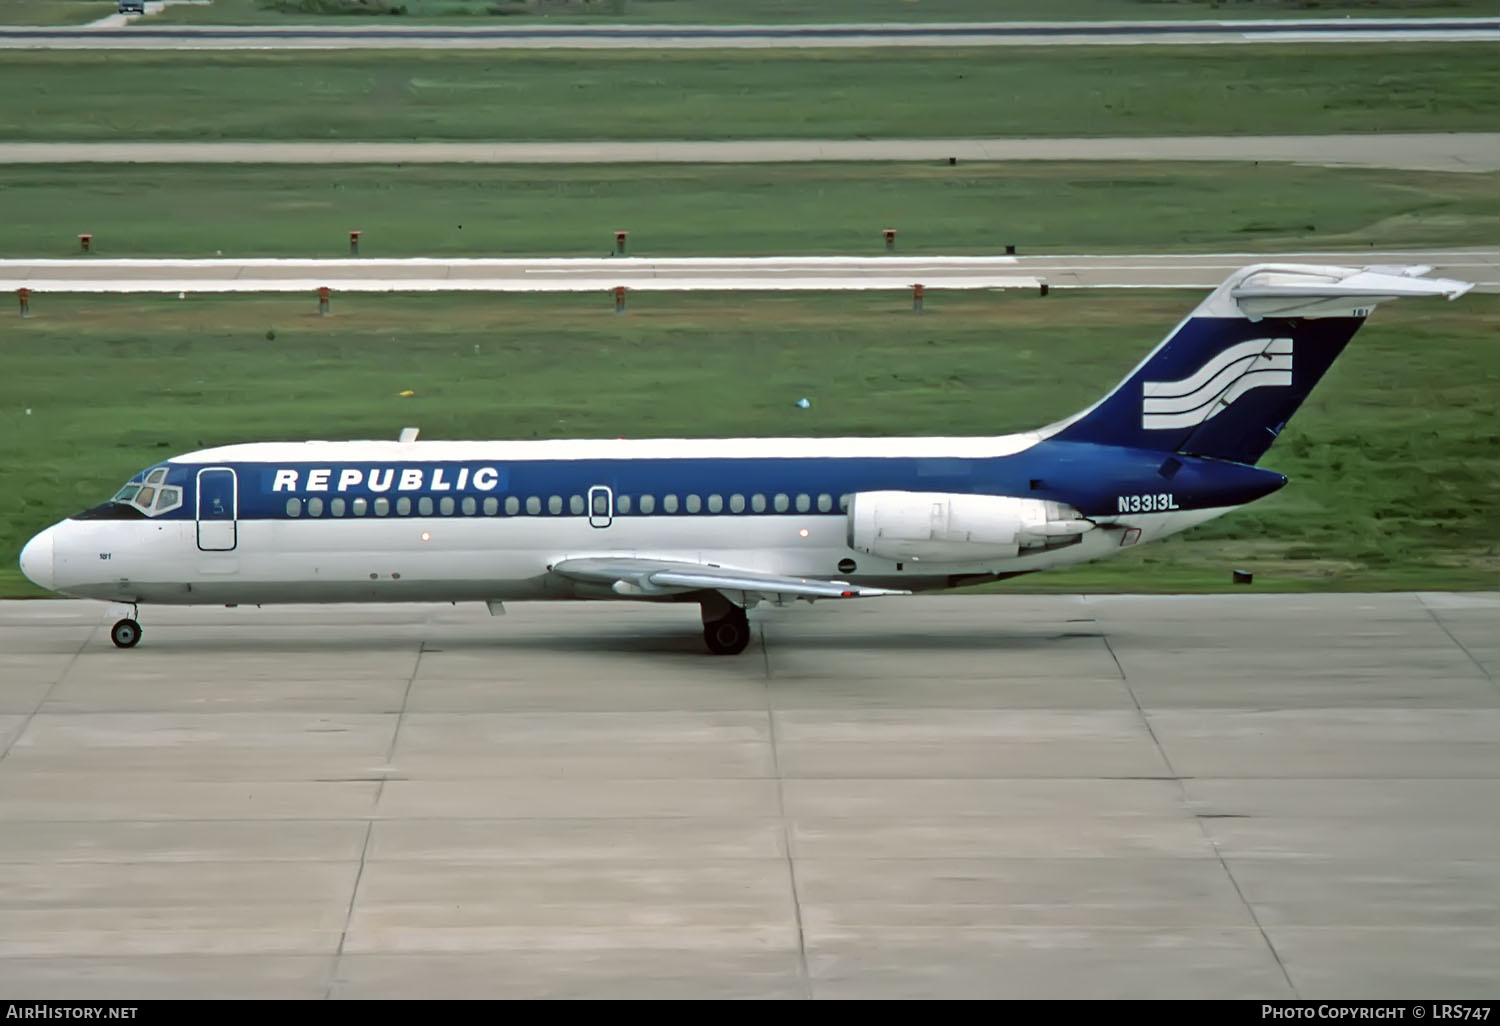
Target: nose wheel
125,634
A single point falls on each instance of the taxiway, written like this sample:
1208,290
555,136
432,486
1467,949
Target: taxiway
1470,152
1235,796
553,274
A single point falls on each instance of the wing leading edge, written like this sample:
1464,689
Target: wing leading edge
644,578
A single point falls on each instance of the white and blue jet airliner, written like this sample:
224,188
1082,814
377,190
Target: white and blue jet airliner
731,523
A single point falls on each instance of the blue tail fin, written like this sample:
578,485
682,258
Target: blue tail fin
1226,381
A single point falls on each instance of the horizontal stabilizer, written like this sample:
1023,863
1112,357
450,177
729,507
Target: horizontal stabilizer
1292,290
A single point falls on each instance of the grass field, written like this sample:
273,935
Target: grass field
54,12
1395,460
705,12
532,95
735,210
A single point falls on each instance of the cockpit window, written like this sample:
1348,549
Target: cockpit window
152,498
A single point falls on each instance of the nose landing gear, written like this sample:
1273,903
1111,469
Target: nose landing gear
126,633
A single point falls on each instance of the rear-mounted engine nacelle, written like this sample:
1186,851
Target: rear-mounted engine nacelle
940,527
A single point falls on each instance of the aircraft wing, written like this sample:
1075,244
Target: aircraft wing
634,576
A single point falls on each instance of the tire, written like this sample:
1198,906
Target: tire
729,636
125,634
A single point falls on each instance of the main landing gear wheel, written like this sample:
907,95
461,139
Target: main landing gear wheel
125,634
728,636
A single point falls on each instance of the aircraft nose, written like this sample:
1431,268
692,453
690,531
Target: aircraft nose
36,560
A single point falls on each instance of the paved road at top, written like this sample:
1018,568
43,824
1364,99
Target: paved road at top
338,37
1437,151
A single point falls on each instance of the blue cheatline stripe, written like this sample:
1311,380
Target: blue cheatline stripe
1090,477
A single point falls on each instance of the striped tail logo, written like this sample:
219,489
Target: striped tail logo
1258,363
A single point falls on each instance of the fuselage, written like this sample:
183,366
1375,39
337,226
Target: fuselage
375,521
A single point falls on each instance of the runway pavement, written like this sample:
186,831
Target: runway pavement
1131,33
1236,796
550,274
1205,270
1417,151
423,274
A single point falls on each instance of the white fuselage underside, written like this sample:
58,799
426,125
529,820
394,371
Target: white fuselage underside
442,559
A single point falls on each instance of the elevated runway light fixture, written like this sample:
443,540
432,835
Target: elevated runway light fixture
619,299
890,239
84,242
24,295
323,300
354,243
916,298
620,243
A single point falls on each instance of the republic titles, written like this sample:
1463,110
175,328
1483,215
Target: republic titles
430,478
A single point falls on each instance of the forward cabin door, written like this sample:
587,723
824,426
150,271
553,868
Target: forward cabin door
218,510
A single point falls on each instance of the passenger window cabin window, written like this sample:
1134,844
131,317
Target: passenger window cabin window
336,508
382,506
554,504
445,505
715,503
315,507
736,503
622,503
648,504
424,506
294,507
575,505
403,506
843,503
781,502
825,503
758,503
804,502
358,507
469,505
492,505
669,503
512,505
533,505
694,504
601,504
